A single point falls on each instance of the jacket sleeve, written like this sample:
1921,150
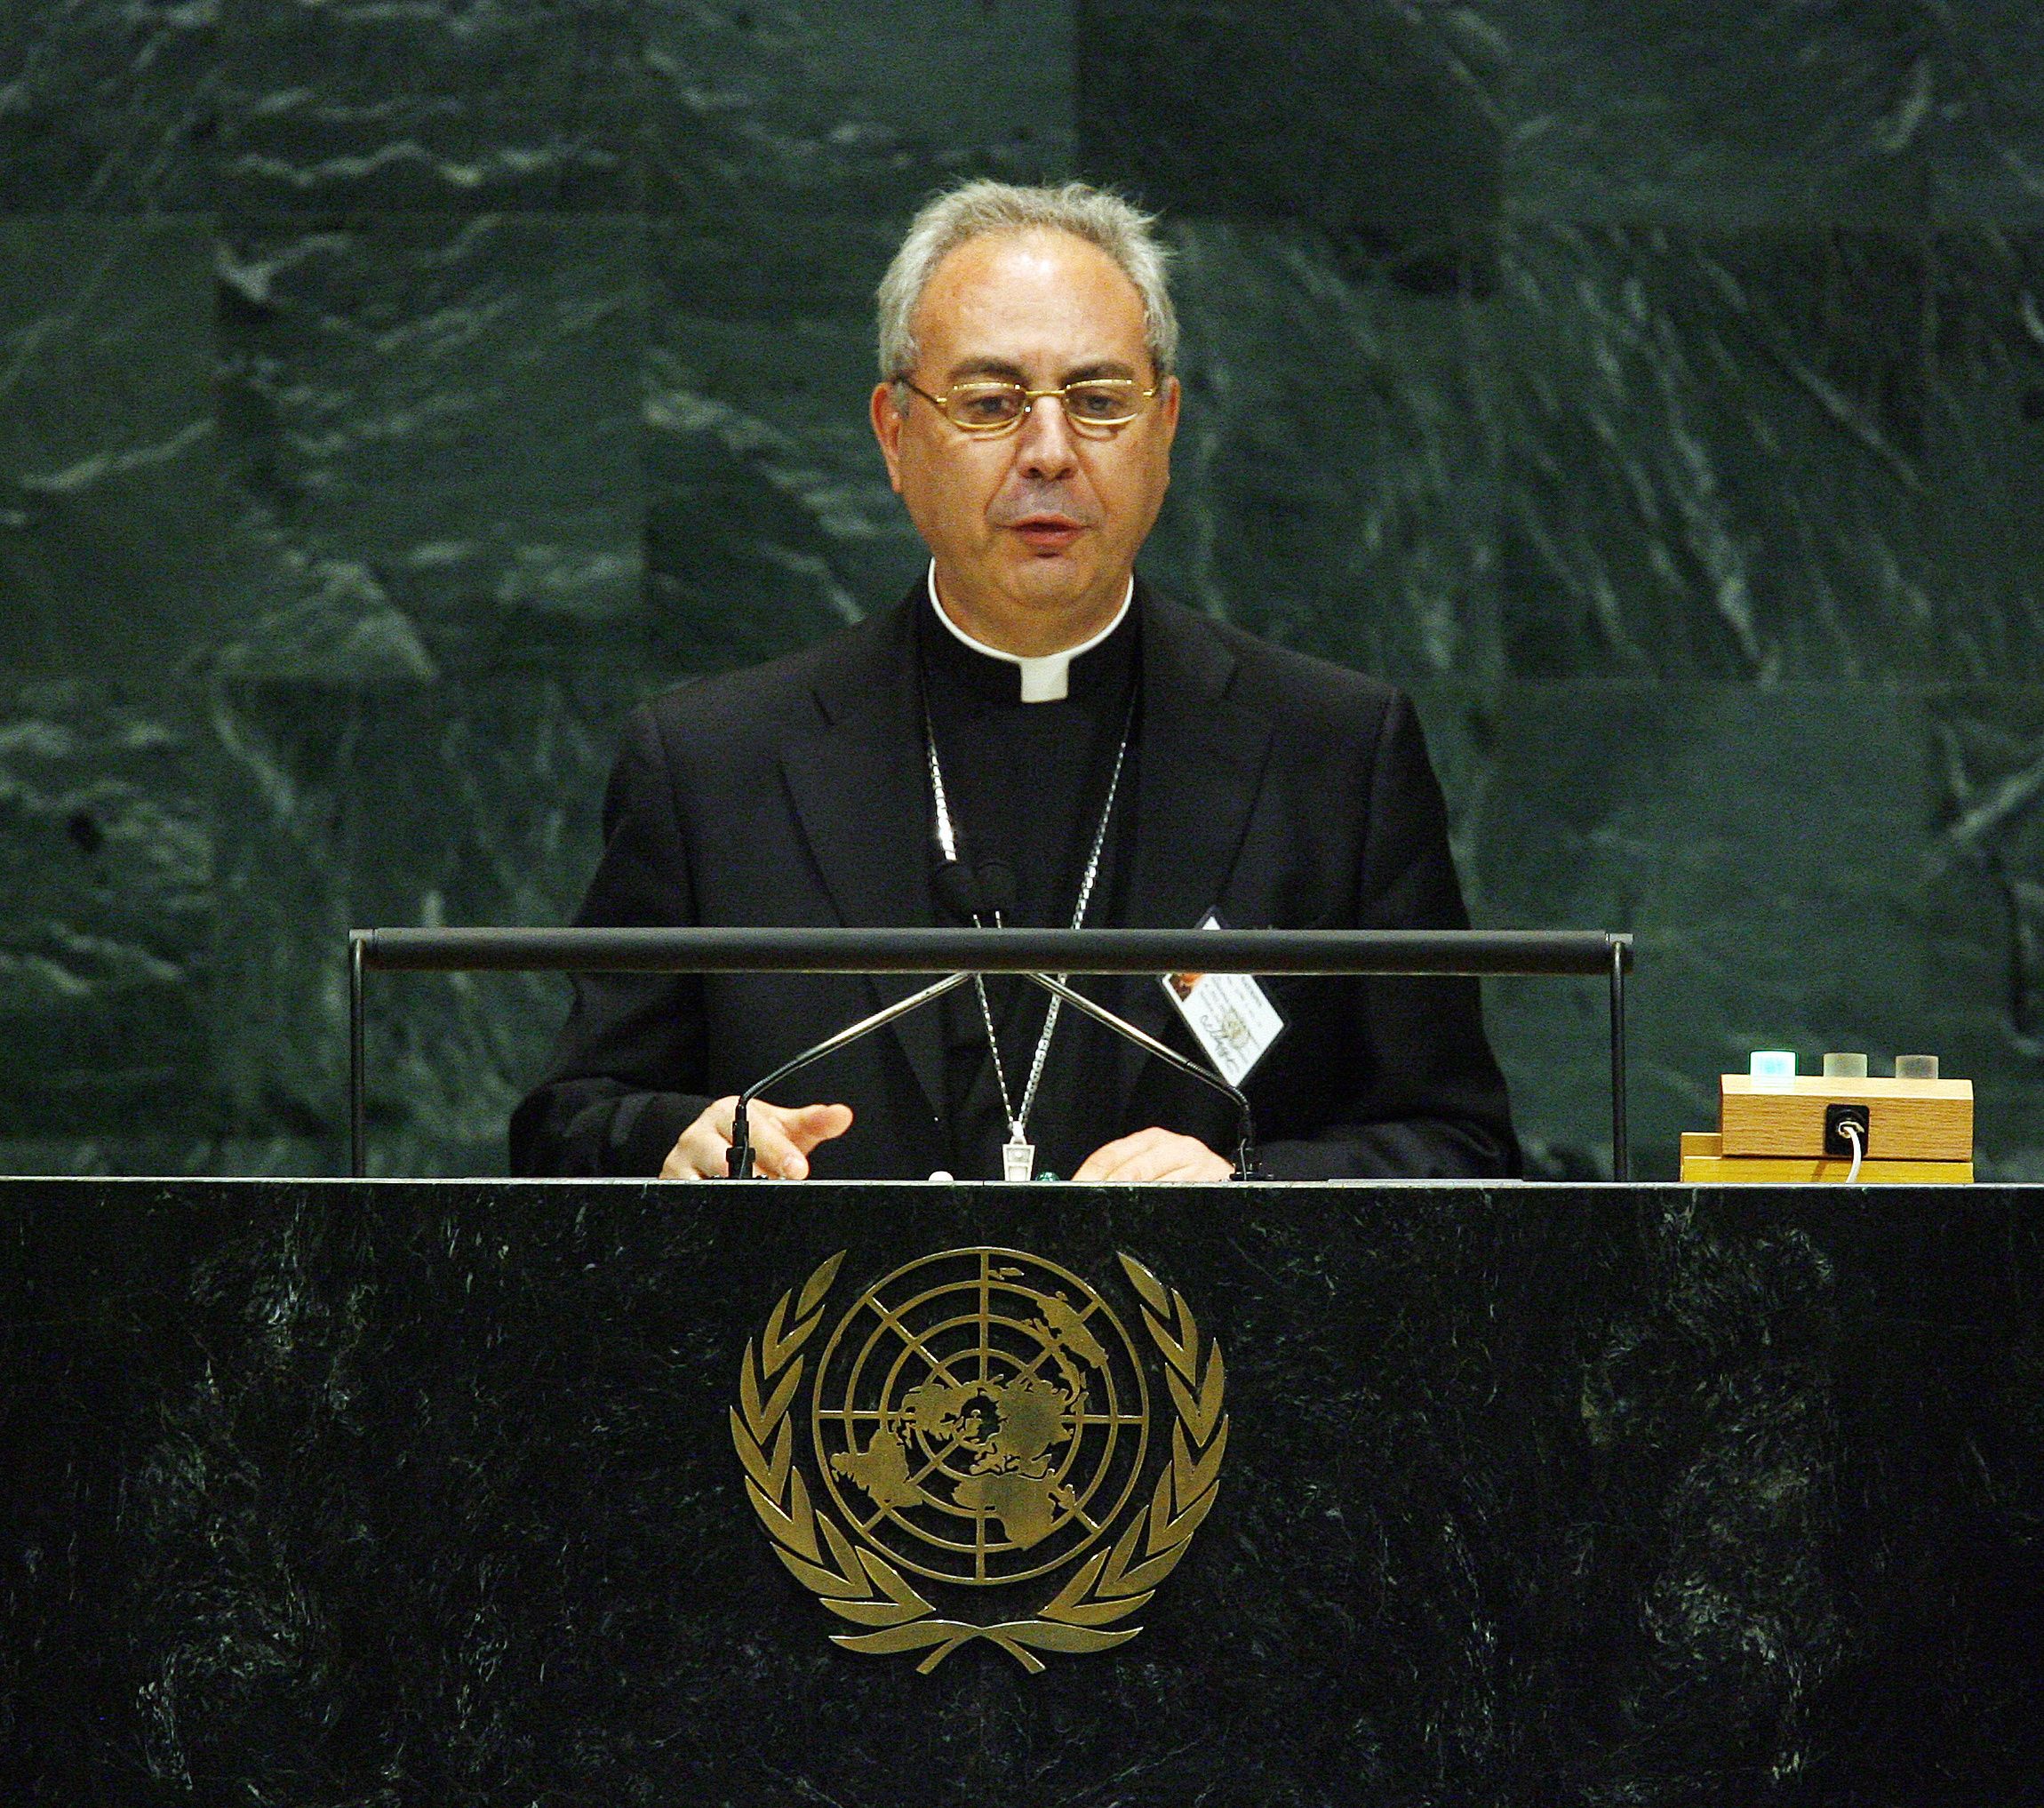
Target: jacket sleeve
1419,1095
627,1073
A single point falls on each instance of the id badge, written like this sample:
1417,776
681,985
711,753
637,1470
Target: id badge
1228,1013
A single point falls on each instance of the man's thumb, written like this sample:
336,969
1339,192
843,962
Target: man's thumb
815,1123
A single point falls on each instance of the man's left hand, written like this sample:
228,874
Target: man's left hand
1153,1155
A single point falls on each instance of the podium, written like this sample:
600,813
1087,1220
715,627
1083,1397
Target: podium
390,1492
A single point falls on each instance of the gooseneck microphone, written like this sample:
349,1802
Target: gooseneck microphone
965,892
973,894
1246,1168
969,893
987,890
738,1162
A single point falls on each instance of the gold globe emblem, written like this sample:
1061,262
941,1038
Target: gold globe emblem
981,1416
977,1419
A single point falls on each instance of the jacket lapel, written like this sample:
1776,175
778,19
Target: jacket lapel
1202,760
857,789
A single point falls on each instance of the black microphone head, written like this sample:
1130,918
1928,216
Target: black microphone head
997,886
957,891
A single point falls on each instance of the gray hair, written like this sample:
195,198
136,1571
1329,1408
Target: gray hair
1122,230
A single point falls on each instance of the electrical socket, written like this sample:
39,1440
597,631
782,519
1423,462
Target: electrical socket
1835,1118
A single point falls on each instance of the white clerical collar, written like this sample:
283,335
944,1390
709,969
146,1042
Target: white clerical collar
1047,678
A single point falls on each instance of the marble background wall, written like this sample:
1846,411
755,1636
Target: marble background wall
391,395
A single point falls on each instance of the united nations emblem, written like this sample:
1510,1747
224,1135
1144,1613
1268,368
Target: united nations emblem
981,1419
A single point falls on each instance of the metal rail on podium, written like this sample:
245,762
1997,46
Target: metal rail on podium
1323,952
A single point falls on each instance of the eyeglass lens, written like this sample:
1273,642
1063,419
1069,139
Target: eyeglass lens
1101,404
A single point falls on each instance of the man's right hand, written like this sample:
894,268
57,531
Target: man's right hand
782,1138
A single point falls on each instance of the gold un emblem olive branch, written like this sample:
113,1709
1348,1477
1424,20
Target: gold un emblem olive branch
858,1581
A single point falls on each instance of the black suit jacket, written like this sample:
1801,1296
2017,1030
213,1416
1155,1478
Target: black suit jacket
1280,791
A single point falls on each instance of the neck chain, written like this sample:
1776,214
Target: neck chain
1020,1155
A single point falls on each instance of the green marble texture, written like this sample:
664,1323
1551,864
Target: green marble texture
391,396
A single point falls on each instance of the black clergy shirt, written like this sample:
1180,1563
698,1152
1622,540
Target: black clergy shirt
1026,785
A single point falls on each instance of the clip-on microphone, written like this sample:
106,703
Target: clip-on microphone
973,894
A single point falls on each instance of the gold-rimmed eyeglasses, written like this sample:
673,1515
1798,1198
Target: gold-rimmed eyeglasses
1096,407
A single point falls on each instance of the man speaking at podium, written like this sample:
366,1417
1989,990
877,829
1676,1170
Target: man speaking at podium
1031,736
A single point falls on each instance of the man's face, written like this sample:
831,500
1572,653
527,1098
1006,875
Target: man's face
1034,532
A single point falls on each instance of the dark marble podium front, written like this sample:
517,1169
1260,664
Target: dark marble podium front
319,1492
